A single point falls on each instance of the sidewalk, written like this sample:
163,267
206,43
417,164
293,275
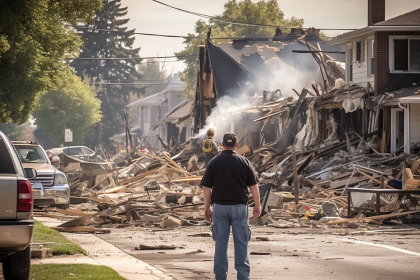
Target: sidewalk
101,252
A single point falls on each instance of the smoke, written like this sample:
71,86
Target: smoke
227,110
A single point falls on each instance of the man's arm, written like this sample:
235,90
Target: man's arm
208,214
256,196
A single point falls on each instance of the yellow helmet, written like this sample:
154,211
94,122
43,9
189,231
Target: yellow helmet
210,132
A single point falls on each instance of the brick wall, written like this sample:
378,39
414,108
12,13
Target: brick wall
382,56
376,11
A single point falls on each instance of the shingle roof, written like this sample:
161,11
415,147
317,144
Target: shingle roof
408,19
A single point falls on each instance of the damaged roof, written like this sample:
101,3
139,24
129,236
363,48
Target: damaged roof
268,64
180,111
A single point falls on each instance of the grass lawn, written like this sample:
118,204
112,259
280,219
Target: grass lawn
73,271
62,246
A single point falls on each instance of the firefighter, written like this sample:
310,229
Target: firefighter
209,147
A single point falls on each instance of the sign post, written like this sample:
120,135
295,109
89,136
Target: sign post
68,137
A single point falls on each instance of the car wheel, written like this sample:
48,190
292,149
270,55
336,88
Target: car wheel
18,265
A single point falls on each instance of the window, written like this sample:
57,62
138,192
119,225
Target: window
371,56
405,54
359,51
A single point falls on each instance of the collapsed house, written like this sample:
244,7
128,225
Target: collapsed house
232,73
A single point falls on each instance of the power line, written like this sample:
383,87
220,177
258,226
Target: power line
129,84
237,22
135,57
193,37
142,33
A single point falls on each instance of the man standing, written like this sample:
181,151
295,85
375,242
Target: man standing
209,147
225,184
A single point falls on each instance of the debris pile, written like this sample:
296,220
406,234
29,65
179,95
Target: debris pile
319,168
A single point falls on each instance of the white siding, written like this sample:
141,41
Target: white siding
414,123
360,69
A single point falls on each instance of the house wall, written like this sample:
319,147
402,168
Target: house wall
382,56
360,68
414,123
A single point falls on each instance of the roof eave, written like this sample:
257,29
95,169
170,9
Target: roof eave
350,36
395,28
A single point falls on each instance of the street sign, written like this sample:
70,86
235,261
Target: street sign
68,135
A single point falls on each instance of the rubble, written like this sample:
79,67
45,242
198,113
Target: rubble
319,170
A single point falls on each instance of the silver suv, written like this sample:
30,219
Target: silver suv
50,186
16,222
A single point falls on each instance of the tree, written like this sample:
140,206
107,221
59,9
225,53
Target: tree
35,38
16,132
262,12
117,43
72,105
154,70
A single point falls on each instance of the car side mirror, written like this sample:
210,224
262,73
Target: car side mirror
30,173
55,160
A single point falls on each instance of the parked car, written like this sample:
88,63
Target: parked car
16,222
50,186
80,152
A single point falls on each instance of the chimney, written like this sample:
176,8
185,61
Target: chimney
376,11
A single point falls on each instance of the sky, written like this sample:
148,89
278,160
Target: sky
147,16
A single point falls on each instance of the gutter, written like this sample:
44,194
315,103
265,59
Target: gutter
346,37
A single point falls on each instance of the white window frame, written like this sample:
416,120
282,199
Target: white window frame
391,53
362,50
370,55
394,125
349,61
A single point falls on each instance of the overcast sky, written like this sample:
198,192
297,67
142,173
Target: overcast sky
150,17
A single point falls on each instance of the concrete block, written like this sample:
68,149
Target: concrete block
150,219
274,201
41,253
171,222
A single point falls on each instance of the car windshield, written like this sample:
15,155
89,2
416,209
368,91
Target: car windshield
31,154
77,151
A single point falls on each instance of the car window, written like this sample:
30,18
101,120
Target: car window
75,151
87,151
6,164
31,154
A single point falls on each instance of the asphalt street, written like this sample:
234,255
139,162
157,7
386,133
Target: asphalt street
291,256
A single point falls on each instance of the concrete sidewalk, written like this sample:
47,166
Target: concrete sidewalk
101,252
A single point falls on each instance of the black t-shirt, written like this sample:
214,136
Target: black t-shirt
229,175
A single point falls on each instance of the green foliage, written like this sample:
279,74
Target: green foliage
262,12
72,105
15,132
73,272
106,44
62,246
154,71
34,40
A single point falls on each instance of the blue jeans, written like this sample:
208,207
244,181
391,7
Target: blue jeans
236,216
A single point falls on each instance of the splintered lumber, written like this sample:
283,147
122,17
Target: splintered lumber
243,150
373,218
168,158
81,221
155,247
112,190
270,115
72,212
187,179
81,229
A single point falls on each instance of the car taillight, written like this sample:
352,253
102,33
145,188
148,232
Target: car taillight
24,196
